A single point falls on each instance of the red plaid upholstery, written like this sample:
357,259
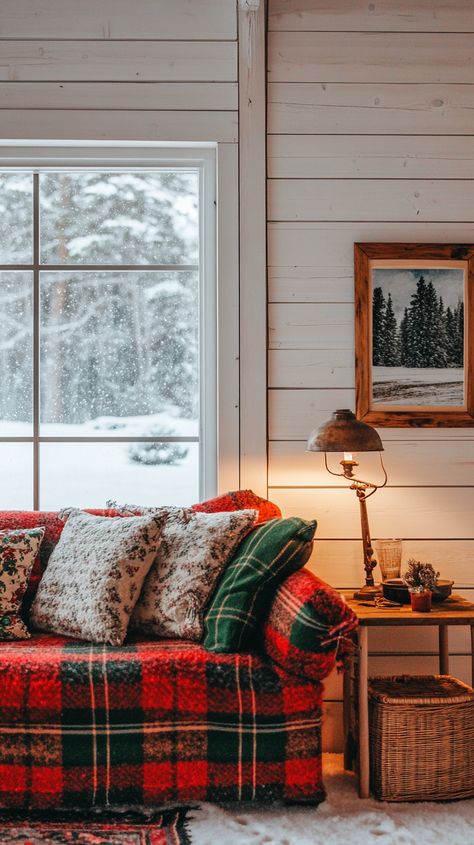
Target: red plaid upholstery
309,627
241,500
152,722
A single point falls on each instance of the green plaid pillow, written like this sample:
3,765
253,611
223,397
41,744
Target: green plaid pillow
244,593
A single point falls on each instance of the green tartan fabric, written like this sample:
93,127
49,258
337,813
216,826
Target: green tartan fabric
245,591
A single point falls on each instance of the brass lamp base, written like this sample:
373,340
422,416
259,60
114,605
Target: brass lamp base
368,593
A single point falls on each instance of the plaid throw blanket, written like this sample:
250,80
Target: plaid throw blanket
152,722
309,628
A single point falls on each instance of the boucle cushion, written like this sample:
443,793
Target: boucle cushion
18,550
94,576
244,593
195,549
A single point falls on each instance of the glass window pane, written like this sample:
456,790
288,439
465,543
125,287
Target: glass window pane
119,354
16,214
16,353
113,218
16,471
87,474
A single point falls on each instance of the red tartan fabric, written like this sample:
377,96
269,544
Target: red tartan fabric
152,722
241,500
308,630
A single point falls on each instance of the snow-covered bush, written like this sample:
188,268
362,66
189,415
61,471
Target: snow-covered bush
158,452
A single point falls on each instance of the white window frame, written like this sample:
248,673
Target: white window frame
218,452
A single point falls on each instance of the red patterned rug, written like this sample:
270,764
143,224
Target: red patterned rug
165,828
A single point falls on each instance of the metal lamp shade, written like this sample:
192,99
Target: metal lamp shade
344,433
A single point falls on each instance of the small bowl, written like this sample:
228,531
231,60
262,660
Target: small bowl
395,590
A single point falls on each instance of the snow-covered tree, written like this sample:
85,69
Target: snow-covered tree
390,336
113,342
378,314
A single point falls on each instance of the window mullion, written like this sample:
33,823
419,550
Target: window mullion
36,343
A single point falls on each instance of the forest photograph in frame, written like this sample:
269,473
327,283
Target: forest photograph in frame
413,362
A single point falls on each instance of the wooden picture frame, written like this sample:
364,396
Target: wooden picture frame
407,393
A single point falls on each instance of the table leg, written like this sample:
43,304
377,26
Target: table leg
346,712
472,654
364,760
443,650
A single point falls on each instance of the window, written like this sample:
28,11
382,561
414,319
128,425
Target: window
107,351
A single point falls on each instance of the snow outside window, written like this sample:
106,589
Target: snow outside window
100,290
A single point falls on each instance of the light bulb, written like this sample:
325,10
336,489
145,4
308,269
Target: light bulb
349,456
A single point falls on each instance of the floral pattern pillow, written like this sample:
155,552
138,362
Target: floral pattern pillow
94,576
195,550
18,550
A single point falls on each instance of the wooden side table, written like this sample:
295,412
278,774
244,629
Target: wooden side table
453,611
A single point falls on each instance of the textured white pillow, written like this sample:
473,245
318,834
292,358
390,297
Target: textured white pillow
194,551
94,576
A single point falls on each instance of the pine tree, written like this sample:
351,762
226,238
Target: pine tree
451,333
378,315
434,339
417,324
459,335
390,357
404,339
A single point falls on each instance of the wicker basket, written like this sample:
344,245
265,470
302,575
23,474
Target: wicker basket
421,738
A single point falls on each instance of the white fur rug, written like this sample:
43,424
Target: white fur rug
342,820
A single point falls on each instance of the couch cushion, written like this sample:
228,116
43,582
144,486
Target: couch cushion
243,596
18,550
239,500
149,722
53,527
95,575
194,551
310,627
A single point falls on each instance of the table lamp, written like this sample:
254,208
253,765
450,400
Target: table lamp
344,433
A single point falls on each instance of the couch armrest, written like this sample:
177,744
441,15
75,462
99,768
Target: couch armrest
308,630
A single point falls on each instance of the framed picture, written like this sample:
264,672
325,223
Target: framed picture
414,306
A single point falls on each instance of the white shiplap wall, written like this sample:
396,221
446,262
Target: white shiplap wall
115,70
370,138
151,71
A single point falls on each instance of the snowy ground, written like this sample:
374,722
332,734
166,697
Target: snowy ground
341,820
418,386
87,474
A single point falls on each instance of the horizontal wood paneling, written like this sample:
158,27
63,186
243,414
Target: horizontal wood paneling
383,15
318,245
119,125
414,512
285,422
369,108
340,562
429,462
175,96
367,56
370,157
294,368
310,284
108,19
294,413
371,138
310,326
120,61
370,199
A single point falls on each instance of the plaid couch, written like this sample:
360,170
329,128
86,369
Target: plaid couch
153,722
